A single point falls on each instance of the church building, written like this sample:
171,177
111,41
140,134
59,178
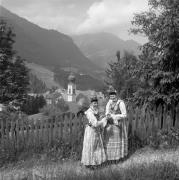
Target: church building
71,91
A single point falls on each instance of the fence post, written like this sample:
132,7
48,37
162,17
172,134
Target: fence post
12,135
173,114
169,119
37,133
156,119
51,131
45,137
66,127
27,135
54,135
17,134
136,126
23,134
41,133
152,115
7,134
129,119
61,128
165,114
177,117
160,115
2,134
144,123
147,119
133,121
47,133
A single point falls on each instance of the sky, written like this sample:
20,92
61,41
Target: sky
81,16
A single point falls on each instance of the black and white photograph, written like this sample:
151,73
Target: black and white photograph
89,89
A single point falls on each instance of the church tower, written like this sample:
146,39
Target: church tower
71,94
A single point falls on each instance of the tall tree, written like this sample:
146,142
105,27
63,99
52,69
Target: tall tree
36,85
160,55
119,75
13,73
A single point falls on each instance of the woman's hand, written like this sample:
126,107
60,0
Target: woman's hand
116,122
110,120
104,121
108,116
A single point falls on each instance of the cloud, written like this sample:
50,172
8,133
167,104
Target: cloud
63,15
79,16
55,4
112,15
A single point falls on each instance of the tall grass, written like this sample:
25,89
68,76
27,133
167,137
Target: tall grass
143,165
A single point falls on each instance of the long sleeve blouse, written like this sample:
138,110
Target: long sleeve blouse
92,119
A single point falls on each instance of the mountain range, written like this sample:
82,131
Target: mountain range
101,47
45,47
87,54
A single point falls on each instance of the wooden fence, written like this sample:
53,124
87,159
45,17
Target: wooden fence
19,134
142,122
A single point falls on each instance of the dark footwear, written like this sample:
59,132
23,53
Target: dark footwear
93,167
90,167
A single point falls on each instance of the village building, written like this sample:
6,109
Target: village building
53,98
71,95
71,91
2,107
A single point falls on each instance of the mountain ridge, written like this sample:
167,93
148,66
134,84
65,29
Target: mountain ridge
52,48
101,47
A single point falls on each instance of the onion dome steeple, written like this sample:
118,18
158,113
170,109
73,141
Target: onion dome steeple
71,78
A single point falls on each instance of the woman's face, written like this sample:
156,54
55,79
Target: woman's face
113,98
94,104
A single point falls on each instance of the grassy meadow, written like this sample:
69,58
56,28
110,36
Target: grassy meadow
144,164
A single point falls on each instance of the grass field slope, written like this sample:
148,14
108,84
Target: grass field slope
43,74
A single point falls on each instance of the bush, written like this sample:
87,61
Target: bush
62,150
50,110
62,105
55,109
7,116
33,104
164,138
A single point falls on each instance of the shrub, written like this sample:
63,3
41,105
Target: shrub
55,109
164,138
33,104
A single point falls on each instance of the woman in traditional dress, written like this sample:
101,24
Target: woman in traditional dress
115,133
93,150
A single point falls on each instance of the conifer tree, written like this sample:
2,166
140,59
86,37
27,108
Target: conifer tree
120,75
13,72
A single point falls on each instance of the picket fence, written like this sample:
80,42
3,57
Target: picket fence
21,134
141,121
144,121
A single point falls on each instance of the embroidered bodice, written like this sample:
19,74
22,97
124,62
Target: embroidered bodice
114,107
117,110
